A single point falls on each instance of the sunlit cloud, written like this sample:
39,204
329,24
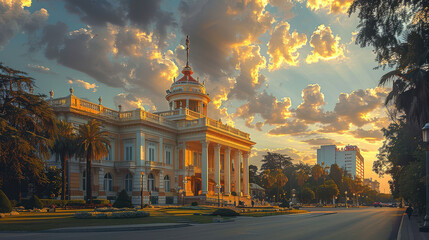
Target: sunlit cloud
81,83
332,6
325,45
283,46
40,69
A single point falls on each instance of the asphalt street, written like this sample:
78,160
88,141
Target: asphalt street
363,223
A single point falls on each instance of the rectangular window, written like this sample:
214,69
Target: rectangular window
151,150
129,150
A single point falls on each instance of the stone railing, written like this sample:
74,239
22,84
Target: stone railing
87,106
180,112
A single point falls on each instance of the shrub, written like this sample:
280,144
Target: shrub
5,205
123,200
33,202
225,212
101,201
76,202
56,202
284,204
233,193
194,204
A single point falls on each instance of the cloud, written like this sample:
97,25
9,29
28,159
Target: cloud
14,18
310,110
83,84
368,135
321,141
333,6
267,106
284,7
325,45
40,69
292,127
283,46
146,15
129,101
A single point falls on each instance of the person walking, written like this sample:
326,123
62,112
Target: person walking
409,211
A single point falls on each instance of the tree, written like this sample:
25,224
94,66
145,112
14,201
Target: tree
64,147
5,205
336,174
51,185
274,161
253,173
307,195
399,32
93,144
317,171
301,177
123,200
27,130
275,178
327,191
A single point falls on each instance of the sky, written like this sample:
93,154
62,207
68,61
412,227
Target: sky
286,71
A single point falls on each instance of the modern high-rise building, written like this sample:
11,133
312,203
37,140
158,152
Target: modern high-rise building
347,158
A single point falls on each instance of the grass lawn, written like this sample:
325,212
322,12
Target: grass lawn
65,218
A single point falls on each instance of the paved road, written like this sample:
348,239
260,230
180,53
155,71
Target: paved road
368,223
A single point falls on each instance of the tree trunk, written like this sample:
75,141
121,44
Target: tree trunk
68,179
88,177
63,177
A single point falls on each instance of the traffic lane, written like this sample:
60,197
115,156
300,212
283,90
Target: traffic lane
346,224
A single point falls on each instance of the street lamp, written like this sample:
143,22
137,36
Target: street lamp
425,131
184,189
218,187
346,197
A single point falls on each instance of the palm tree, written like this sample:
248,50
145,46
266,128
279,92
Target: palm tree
64,148
93,144
317,171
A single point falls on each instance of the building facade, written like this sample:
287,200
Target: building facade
347,158
161,156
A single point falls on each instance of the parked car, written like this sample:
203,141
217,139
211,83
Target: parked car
378,204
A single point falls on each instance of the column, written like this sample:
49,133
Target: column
137,187
227,170
204,166
217,163
237,171
140,147
246,173
161,150
187,103
144,182
100,181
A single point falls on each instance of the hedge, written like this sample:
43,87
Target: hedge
225,212
101,201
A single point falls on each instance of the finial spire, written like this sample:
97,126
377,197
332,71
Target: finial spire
187,50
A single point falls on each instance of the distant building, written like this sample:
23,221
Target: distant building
256,191
347,158
373,184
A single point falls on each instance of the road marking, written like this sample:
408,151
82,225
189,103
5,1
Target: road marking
400,227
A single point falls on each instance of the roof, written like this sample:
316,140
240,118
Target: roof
187,72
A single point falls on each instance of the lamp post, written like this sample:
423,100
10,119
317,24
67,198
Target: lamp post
218,187
141,193
184,190
346,197
425,131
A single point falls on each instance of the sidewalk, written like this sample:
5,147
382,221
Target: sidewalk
118,228
409,229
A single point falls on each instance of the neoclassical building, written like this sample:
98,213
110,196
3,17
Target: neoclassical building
164,155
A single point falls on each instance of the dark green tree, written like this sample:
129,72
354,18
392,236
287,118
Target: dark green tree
64,147
51,185
123,200
5,205
253,173
27,130
307,195
93,144
273,161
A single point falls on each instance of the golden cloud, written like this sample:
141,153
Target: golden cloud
83,84
326,45
333,6
283,46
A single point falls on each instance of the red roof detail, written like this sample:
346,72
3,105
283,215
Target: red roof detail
187,76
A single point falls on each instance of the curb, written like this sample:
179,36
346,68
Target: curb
399,236
114,228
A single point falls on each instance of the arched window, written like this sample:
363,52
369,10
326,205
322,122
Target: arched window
128,182
150,182
108,182
167,183
84,180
